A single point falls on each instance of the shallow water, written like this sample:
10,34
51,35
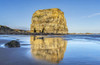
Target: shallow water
51,50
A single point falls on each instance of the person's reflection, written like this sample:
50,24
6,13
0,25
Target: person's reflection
49,49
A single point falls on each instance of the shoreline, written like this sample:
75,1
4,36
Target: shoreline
48,34
30,34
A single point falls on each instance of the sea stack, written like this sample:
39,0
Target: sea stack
49,21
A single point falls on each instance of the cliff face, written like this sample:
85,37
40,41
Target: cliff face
49,21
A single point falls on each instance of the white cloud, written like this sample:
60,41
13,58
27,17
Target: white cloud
95,14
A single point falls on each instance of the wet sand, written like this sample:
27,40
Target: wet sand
18,56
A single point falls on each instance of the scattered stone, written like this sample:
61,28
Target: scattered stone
13,43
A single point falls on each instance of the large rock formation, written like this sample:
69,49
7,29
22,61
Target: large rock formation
49,21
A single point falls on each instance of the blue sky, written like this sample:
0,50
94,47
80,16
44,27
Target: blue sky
82,15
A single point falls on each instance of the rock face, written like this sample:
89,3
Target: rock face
12,44
49,21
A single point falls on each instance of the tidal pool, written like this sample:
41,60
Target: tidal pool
51,50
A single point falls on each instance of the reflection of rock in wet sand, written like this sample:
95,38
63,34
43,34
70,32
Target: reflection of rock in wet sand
49,49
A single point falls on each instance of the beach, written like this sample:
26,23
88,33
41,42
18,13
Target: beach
51,50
